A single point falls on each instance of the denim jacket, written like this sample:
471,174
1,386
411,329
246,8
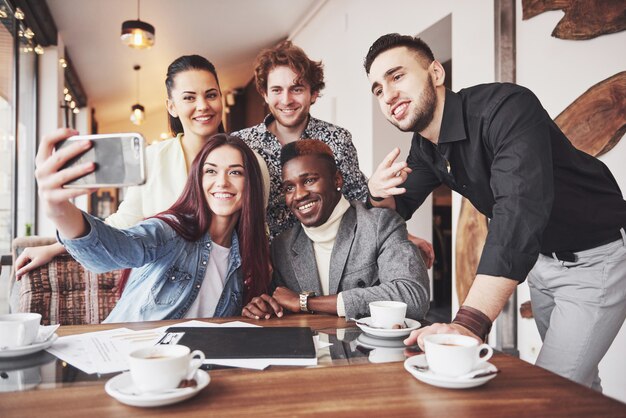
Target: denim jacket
168,270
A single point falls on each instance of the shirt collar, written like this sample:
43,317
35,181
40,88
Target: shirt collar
452,122
306,133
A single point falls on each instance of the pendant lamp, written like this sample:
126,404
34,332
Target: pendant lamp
137,113
136,33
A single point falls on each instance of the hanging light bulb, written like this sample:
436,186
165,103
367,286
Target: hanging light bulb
137,114
39,50
137,34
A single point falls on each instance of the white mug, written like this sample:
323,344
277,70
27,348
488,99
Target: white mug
454,355
18,329
162,367
386,314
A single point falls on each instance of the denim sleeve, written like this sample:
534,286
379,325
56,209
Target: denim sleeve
106,248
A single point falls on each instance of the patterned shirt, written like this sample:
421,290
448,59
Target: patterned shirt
265,143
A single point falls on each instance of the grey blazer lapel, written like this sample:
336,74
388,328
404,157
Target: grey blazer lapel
341,249
304,265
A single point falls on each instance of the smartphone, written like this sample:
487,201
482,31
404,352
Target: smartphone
119,159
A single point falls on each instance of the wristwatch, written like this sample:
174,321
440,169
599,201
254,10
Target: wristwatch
304,301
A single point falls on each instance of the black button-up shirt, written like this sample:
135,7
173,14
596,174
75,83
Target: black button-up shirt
500,149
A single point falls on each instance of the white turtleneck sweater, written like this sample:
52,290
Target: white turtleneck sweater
323,238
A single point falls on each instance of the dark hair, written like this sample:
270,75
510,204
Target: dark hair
287,54
394,40
179,65
308,147
190,216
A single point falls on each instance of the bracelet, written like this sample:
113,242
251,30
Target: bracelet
473,320
375,199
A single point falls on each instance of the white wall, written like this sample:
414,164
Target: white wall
559,71
151,131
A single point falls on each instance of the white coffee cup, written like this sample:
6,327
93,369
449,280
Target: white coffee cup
18,329
162,367
386,314
454,355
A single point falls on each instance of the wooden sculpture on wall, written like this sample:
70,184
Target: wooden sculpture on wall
594,123
584,19
470,239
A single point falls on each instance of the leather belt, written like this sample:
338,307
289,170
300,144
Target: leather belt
571,257
563,256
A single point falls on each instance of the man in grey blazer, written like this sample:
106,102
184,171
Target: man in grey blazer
341,256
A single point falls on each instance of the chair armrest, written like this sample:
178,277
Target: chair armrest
5,260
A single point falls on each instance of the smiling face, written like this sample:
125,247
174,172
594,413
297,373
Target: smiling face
310,189
404,88
289,102
196,100
223,181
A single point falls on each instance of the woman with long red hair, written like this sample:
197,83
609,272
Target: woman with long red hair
206,256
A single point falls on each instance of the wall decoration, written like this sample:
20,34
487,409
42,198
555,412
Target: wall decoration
584,19
596,121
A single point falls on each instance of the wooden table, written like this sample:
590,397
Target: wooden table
347,388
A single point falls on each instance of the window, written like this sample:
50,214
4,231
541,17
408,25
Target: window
18,115
7,77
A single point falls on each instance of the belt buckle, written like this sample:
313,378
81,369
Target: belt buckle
566,256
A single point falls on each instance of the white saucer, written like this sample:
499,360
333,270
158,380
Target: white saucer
28,349
368,341
443,381
365,325
125,383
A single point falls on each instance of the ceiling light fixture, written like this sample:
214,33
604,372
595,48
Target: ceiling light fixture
137,114
137,34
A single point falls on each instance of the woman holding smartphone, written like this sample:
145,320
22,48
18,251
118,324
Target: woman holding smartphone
205,256
194,105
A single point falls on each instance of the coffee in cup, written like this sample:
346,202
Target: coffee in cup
18,329
163,367
454,355
386,314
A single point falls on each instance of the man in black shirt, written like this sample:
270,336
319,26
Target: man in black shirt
498,147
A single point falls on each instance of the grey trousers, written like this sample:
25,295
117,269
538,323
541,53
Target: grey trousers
579,307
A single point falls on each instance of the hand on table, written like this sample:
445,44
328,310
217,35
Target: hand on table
426,249
388,175
437,328
263,306
288,299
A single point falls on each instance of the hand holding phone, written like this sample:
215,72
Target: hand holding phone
119,160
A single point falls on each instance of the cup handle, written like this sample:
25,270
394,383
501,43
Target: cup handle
487,356
197,359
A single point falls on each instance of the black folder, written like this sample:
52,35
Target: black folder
279,345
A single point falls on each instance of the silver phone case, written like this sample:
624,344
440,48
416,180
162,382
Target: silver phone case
119,158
